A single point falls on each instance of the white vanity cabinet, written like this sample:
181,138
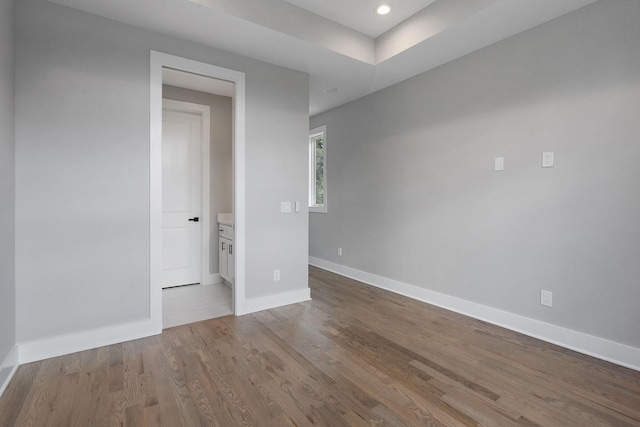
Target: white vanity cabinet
226,254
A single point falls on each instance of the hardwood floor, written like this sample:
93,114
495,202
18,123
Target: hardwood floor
353,356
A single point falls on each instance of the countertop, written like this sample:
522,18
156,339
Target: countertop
225,218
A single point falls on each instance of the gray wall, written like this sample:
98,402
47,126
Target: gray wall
7,182
413,195
277,170
82,169
221,178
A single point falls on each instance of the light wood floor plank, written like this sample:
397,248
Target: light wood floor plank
353,356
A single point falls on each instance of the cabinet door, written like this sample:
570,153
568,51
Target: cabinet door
231,262
223,258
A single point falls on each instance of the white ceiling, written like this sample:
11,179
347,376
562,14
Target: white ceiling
360,15
296,35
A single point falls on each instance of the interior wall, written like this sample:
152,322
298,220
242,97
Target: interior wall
82,167
7,183
277,170
413,195
221,162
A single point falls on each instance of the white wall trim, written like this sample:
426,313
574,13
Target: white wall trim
213,279
159,60
272,301
66,344
600,348
8,368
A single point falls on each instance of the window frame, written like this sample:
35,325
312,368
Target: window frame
314,207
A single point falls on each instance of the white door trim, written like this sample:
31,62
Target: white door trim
159,60
204,111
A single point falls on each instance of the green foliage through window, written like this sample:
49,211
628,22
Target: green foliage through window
318,169
319,143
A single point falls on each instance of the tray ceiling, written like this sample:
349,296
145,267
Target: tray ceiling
338,42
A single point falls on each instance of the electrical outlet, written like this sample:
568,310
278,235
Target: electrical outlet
339,251
276,275
547,159
546,298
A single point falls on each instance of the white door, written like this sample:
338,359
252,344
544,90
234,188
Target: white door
223,258
231,262
181,197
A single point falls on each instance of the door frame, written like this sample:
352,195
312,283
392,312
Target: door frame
204,111
158,60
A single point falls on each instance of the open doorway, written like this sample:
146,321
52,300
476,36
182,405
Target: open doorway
197,184
197,239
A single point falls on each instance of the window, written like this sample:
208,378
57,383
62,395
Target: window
318,169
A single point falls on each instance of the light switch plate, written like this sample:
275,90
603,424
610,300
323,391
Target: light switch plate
547,159
285,207
499,164
546,298
297,207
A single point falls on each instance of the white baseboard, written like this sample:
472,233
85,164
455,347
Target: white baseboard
8,368
213,279
272,301
600,348
57,346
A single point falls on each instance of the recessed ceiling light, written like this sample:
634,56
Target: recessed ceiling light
383,9
330,89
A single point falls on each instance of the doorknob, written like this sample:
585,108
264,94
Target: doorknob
194,219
